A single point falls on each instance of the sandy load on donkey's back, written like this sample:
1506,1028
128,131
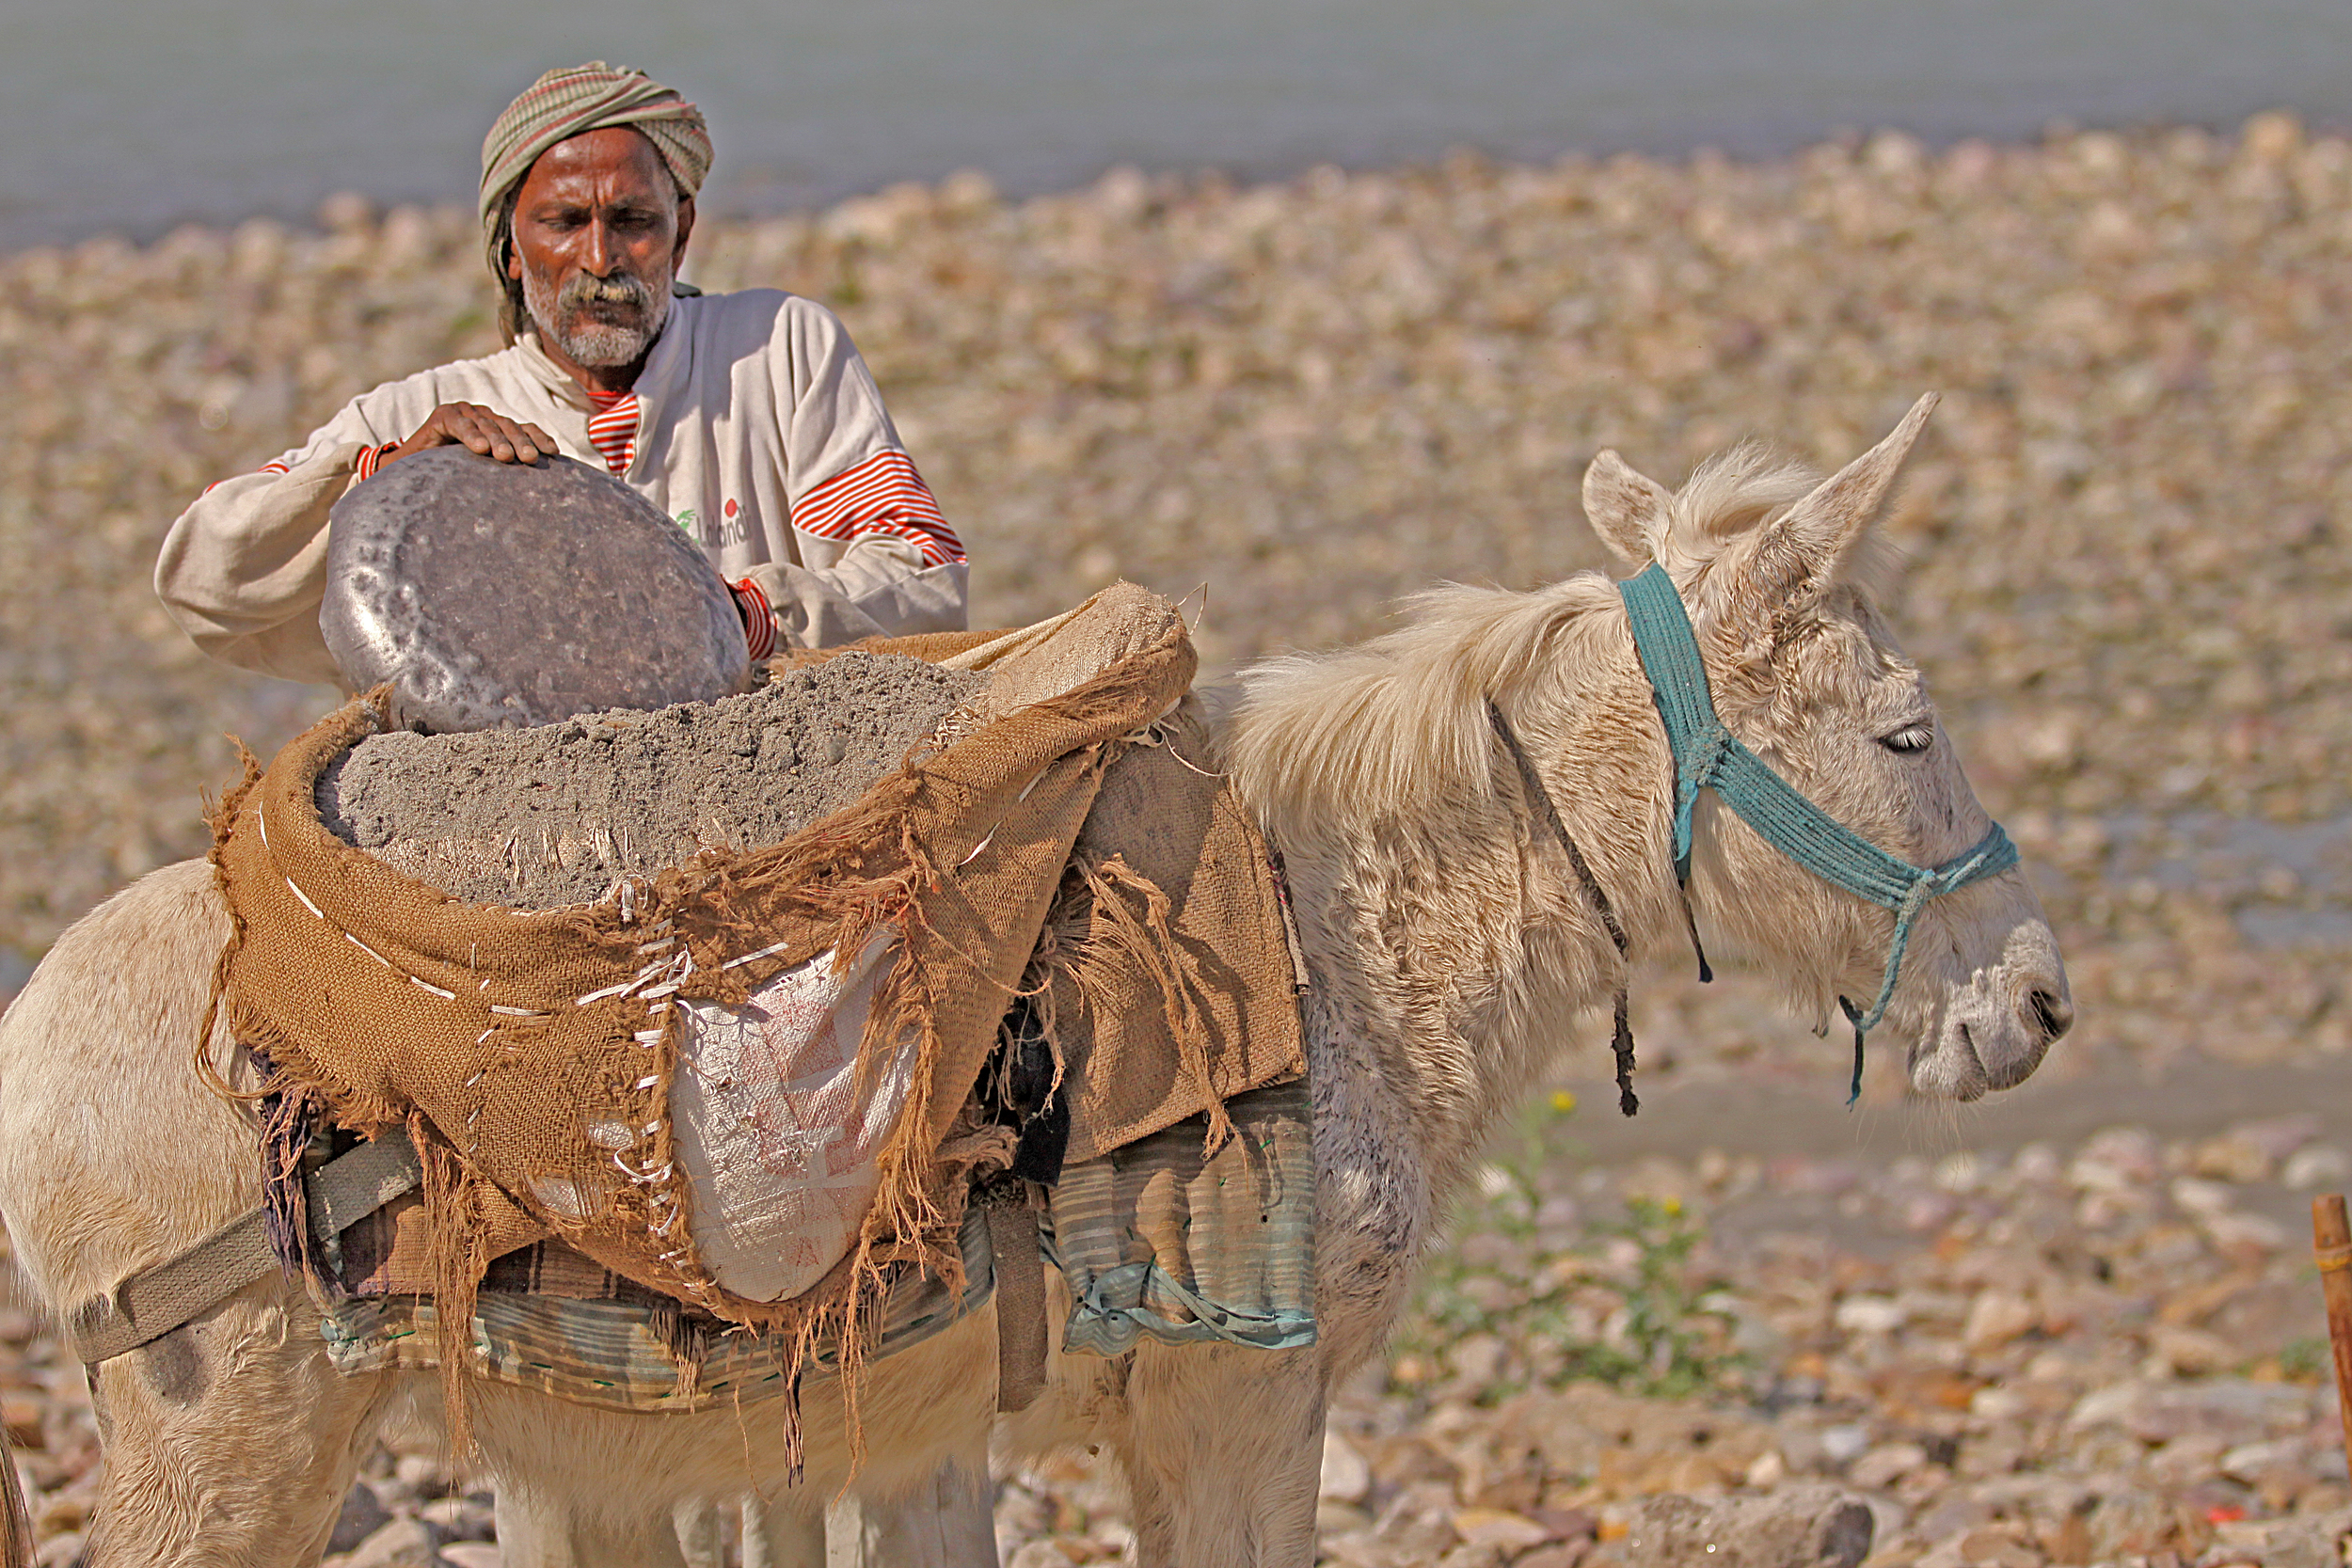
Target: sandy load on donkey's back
750,1076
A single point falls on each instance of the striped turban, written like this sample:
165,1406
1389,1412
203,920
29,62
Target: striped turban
571,102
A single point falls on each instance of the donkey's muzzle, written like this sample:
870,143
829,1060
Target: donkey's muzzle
2048,1014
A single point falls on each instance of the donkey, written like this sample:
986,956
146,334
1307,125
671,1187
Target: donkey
1451,933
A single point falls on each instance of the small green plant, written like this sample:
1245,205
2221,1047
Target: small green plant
2305,1360
1628,1313
1670,1333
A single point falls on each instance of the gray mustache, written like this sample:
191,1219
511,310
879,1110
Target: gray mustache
620,289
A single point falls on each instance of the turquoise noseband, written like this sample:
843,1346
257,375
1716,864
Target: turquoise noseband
1706,756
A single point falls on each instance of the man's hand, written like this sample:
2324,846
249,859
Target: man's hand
479,429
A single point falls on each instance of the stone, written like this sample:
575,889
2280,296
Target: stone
425,1475
2158,1413
2233,1158
401,1543
362,1516
471,1517
1885,1464
1563,1555
1801,1526
2248,1461
1345,1476
1870,1315
2192,1351
1039,1554
501,594
1995,1318
1498,1527
2320,1166
2134,1522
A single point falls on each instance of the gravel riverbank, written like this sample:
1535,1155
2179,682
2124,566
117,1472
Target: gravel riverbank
2129,533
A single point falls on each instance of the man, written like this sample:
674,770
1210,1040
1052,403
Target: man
748,418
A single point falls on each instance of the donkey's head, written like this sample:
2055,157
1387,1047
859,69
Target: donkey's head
1774,571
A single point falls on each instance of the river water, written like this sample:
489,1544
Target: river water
133,114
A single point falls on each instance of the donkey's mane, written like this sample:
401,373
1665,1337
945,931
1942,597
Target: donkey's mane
1383,728
1733,492
1746,487
1389,727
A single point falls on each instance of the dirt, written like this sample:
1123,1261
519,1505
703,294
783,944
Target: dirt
558,813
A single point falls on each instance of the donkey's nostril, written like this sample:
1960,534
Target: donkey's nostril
2052,1012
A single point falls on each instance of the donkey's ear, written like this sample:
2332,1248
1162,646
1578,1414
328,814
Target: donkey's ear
1800,555
1626,510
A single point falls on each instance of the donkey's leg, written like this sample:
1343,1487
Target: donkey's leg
701,1534
230,1441
774,1538
538,1529
1223,1452
946,1524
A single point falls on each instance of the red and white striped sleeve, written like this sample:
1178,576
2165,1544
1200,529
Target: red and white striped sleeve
365,464
883,495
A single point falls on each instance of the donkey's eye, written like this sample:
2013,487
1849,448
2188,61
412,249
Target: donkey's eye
1910,740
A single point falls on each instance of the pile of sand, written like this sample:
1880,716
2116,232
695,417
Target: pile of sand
556,815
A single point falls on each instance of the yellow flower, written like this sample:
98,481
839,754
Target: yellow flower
1563,1102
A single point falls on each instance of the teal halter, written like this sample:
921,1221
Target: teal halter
1706,756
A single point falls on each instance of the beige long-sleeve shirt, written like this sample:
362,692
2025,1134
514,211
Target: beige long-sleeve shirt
754,424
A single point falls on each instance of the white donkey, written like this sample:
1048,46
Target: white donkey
1453,945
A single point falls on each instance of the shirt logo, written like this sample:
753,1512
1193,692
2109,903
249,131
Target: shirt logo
735,530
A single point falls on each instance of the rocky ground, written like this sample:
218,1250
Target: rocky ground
2130,543
2107,1349
2103,1351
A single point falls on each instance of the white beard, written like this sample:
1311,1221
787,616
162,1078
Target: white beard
593,343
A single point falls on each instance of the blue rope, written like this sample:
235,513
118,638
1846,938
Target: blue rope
1709,756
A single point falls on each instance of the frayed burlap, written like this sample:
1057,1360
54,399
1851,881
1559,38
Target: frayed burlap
530,1054
1168,981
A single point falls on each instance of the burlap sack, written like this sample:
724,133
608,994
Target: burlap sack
1170,981
514,1044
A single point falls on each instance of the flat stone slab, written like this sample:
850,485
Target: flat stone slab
1794,1526
498,595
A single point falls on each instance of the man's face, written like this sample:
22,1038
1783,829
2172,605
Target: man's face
598,234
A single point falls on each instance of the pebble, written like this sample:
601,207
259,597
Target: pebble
362,1516
401,1543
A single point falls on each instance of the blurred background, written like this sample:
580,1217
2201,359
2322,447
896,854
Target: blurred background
130,115
1314,302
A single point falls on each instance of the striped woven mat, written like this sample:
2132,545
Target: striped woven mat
1156,1239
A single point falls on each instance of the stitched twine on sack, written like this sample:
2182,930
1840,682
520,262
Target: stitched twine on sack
514,1044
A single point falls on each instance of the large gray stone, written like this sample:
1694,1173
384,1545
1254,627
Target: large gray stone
499,594
1795,1526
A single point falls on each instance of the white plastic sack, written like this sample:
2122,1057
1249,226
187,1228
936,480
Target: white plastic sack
779,1153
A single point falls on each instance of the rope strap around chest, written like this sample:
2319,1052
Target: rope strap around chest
1707,756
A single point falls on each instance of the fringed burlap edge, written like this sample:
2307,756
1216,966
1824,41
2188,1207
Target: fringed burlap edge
577,980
